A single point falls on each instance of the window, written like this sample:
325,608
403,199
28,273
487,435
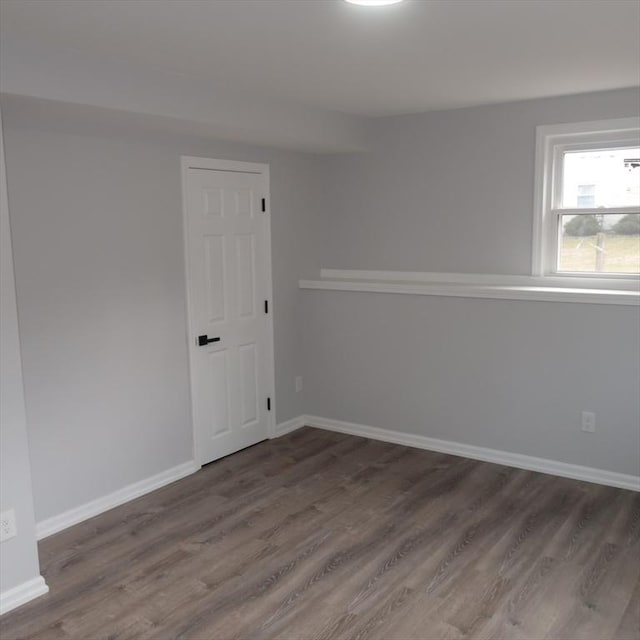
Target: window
587,211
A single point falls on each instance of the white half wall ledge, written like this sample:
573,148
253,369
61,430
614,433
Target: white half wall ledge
23,593
52,525
496,456
624,292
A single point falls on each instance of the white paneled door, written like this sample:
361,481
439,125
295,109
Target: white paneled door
229,291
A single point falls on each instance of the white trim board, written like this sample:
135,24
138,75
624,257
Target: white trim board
497,456
79,514
464,285
488,279
290,425
23,593
52,525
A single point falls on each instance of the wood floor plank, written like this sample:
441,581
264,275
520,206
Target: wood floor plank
629,627
327,536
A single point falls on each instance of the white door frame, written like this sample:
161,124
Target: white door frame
191,162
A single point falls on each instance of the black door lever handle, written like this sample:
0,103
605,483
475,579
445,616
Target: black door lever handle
205,340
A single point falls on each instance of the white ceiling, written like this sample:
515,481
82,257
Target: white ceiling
416,56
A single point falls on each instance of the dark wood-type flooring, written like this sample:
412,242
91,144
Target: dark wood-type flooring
321,535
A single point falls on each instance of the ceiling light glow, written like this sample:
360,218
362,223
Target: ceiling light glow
373,3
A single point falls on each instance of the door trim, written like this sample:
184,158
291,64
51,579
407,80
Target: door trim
192,162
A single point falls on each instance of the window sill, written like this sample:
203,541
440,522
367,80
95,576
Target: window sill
494,287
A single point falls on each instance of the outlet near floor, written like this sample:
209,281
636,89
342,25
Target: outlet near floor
589,421
7,525
298,384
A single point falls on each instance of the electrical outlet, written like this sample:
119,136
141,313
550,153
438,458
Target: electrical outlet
298,384
7,525
588,421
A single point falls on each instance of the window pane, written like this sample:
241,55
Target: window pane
607,243
606,178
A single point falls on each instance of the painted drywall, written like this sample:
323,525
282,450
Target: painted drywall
453,192
19,555
507,375
98,249
69,75
448,191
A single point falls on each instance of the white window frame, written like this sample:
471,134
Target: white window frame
551,143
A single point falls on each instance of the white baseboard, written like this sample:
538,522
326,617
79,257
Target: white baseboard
23,593
57,523
543,465
553,467
289,426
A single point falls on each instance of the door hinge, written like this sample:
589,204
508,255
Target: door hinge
266,306
268,404
264,205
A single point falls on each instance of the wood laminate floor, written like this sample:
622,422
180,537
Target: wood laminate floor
321,535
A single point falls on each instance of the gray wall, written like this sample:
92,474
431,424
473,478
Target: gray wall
18,556
448,191
96,211
453,191
95,204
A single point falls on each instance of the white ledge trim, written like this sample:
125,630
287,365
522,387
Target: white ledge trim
465,285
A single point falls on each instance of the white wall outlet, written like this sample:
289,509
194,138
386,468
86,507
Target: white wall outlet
298,384
7,525
589,421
